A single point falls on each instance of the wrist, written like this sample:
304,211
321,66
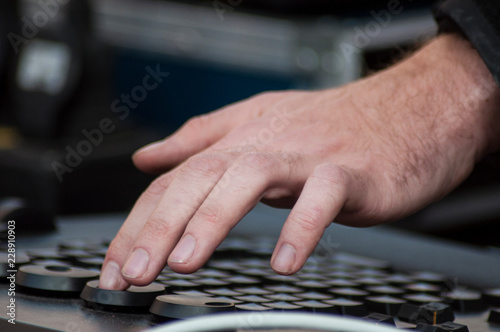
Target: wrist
465,96
476,21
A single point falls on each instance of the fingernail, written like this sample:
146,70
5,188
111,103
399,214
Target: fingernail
110,276
284,260
137,264
148,148
184,250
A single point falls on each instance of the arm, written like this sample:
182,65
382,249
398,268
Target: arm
363,154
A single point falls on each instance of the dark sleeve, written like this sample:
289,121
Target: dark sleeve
479,22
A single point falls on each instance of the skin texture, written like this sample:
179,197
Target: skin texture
363,154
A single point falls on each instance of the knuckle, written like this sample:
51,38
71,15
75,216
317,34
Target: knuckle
260,162
197,122
211,215
331,172
307,220
122,238
120,244
203,165
158,186
156,226
331,176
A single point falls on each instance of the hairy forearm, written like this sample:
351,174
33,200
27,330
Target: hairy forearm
440,106
465,97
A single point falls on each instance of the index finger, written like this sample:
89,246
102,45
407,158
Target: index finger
159,218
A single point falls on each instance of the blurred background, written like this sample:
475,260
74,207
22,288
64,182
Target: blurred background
85,83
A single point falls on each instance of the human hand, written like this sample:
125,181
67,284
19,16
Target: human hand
370,152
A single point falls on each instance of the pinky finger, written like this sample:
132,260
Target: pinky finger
321,200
